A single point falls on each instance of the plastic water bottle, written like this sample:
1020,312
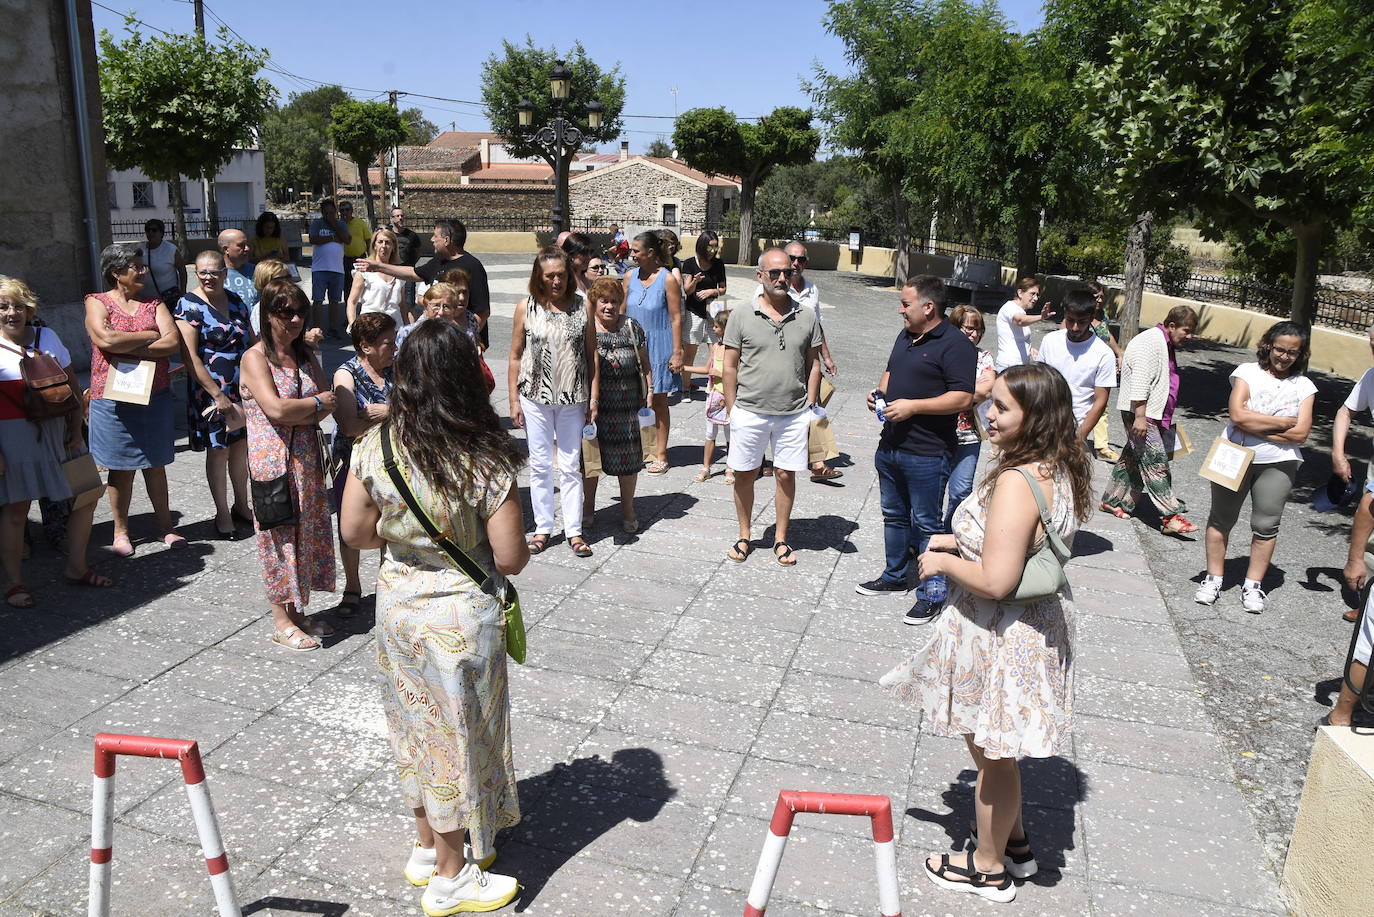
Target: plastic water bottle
589,431
880,405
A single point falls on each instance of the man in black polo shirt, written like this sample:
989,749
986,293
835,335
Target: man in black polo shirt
448,240
928,381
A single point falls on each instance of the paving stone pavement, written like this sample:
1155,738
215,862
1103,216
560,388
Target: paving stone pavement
669,695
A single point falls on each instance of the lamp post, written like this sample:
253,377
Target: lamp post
559,135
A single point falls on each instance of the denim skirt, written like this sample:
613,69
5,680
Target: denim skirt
131,437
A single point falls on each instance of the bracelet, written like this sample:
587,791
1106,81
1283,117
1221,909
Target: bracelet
319,405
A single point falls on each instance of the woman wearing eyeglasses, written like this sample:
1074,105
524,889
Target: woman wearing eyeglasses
653,297
596,269
286,396
217,329
1271,413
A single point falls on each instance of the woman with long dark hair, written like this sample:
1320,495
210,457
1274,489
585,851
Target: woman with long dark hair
285,396
999,672
703,286
653,298
441,639
1271,413
267,240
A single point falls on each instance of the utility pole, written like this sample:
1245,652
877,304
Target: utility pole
207,187
395,163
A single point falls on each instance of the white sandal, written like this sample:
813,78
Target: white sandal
294,639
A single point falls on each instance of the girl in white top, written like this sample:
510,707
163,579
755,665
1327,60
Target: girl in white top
374,291
1271,413
1013,340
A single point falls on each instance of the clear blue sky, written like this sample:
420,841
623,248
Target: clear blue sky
720,55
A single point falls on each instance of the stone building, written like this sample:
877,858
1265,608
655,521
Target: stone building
652,190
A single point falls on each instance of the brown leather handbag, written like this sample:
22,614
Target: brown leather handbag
47,387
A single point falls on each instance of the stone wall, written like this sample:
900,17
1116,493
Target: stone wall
634,194
426,203
42,237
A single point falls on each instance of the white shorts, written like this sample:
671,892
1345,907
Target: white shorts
751,434
1364,644
698,329
717,432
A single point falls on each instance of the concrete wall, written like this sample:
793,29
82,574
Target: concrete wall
247,167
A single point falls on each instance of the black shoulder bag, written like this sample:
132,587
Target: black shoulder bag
493,584
272,503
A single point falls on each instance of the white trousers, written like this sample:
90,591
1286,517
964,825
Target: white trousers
545,426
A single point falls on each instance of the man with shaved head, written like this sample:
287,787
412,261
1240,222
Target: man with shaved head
239,280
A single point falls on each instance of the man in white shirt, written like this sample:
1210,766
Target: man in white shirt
1013,340
1083,359
328,236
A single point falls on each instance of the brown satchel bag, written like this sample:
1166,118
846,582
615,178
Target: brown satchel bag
47,387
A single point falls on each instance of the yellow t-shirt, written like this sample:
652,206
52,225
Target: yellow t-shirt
359,233
265,247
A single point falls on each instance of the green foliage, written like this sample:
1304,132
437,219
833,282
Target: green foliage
362,131
176,105
659,147
316,104
294,153
836,193
1175,267
419,129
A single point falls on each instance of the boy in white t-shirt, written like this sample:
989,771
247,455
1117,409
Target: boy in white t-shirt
1085,362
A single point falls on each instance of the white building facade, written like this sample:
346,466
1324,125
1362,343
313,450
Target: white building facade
240,191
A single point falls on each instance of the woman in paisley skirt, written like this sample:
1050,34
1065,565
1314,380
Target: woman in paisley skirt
216,328
998,673
653,297
553,379
441,639
286,396
626,381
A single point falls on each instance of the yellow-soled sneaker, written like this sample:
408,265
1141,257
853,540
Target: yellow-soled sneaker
420,866
472,891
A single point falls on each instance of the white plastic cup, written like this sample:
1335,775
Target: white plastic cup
818,412
646,417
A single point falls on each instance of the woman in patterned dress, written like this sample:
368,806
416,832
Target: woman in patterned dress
127,325
441,639
285,397
997,673
217,328
362,388
653,297
553,378
626,381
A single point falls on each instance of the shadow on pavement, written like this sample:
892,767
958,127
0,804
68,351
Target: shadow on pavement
296,906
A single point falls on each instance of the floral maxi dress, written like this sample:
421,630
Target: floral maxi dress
295,558
441,651
1001,673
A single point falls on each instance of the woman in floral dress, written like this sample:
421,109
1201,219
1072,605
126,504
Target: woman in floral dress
286,398
441,639
998,673
625,381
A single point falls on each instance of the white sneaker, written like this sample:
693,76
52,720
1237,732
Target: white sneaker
1252,599
471,891
1207,592
420,866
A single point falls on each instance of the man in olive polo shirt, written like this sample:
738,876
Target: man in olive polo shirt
772,379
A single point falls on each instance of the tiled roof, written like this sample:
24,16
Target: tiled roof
454,139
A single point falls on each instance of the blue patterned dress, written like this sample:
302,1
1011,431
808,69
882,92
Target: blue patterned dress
222,341
649,306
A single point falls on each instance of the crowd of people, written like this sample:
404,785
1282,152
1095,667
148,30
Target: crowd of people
420,467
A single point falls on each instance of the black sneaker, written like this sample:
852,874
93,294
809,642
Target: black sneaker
923,611
880,587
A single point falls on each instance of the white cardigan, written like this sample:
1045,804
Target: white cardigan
1145,373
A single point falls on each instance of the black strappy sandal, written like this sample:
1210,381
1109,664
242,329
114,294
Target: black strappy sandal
1020,861
742,548
785,558
578,545
996,886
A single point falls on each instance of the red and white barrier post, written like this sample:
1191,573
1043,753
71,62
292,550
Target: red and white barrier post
107,747
790,802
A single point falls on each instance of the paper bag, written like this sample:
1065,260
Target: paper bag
130,381
827,390
1226,463
591,458
648,443
820,442
84,480
1176,442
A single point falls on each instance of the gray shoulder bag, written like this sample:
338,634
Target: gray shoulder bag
1044,573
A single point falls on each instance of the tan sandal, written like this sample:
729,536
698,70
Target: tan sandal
702,476
292,638
657,466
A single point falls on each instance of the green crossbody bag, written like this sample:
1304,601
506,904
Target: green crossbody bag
493,584
1044,573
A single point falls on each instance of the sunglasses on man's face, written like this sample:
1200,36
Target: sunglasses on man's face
775,273
798,259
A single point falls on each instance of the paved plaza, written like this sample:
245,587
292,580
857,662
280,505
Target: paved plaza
670,694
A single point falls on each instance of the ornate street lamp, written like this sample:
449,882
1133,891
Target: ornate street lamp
559,135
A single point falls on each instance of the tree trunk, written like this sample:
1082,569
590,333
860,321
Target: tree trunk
1137,238
1027,245
367,191
902,241
746,220
178,214
1309,239
211,203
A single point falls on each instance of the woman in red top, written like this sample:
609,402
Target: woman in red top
128,326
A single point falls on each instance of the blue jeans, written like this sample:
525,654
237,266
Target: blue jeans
960,479
911,489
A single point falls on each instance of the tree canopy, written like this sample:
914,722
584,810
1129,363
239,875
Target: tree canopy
659,147
419,129
363,131
177,105
295,144
712,140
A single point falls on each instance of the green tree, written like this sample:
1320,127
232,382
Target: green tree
317,104
1248,111
295,155
712,140
177,105
363,131
419,129
659,147
522,72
